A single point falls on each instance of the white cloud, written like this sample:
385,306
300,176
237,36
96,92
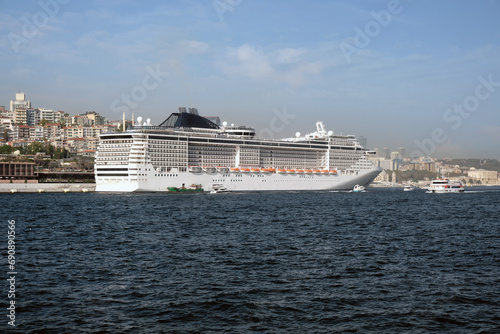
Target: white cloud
249,61
283,65
194,47
289,56
301,74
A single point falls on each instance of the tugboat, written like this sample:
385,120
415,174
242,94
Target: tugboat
194,188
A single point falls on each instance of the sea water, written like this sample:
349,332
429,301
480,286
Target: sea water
306,262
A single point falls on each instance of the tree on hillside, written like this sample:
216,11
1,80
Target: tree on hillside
6,149
35,147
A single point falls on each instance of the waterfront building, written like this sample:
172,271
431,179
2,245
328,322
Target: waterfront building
17,170
483,176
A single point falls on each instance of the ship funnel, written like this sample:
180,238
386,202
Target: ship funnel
193,111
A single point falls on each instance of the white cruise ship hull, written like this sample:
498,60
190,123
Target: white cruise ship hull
147,179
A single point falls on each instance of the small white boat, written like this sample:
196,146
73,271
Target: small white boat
445,186
218,188
358,189
408,188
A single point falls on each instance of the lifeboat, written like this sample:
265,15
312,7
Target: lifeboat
324,171
195,169
222,169
281,171
209,169
234,170
268,170
245,170
333,171
299,171
316,171
255,170
308,171
290,171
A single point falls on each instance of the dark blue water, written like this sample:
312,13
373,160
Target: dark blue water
316,262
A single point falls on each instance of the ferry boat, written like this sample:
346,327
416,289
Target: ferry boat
189,149
445,186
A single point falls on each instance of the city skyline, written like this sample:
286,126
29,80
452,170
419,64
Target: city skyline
418,74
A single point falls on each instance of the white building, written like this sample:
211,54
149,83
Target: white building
483,176
19,107
47,114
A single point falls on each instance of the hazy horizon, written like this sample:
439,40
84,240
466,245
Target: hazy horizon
420,74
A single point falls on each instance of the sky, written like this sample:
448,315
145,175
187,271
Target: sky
421,74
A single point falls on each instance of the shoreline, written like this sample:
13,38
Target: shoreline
47,187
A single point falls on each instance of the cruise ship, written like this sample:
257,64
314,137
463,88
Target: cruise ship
190,151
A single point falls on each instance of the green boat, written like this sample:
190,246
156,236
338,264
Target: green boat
194,188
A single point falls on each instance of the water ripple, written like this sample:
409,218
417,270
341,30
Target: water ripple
385,261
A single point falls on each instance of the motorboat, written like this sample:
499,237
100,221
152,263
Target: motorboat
358,188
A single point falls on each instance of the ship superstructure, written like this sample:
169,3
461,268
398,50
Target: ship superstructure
188,149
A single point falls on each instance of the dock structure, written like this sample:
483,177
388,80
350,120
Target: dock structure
16,187
17,171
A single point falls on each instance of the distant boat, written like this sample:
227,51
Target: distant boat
218,188
358,189
408,188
